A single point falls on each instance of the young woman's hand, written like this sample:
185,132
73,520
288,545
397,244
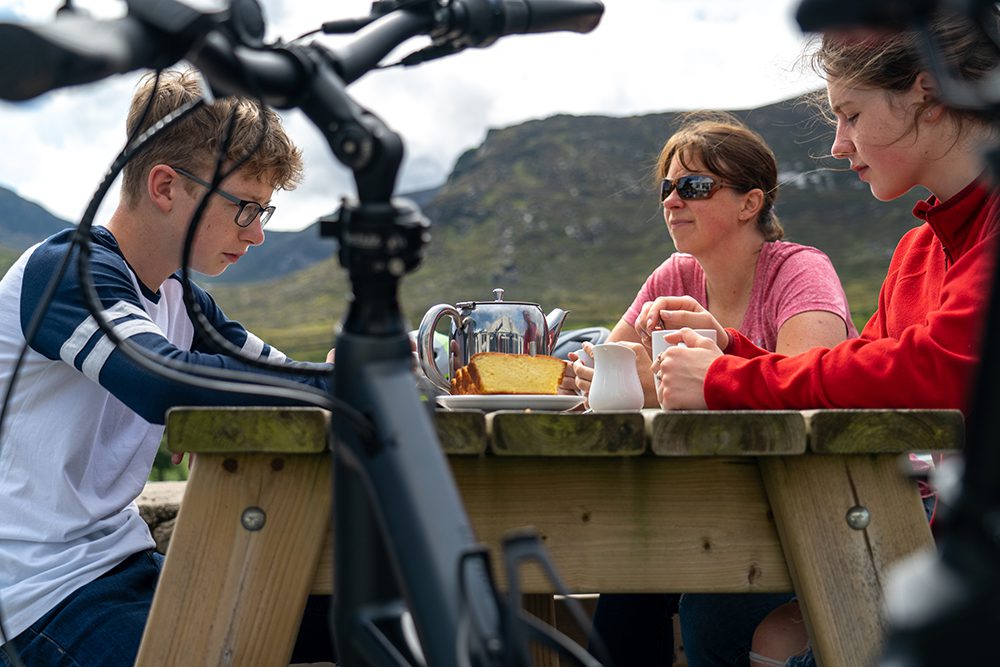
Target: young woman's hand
677,312
681,371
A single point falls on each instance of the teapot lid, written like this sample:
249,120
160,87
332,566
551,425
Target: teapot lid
497,298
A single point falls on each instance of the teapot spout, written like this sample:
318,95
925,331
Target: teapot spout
554,324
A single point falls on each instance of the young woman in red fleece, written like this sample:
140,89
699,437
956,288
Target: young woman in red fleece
921,348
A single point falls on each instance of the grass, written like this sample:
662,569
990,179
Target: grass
165,471
7,258
862,295
303,342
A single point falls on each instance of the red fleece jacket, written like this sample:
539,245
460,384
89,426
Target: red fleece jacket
921,347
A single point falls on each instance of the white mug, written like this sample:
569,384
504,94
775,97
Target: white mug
616,384
660,342
584,358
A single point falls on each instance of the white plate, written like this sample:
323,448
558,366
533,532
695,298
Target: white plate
510,401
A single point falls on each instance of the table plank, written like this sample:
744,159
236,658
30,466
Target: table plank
544,608
899,525
229,594
247,429
839,571
524,433
461,431
884,431
632,524
735,433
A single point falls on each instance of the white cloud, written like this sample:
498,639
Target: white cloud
645,56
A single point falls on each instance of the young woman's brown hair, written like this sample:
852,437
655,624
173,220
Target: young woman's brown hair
892,61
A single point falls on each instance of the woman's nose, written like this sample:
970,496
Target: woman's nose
842,147
673,200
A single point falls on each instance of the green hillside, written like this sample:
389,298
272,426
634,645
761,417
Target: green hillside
7,258
560,211
563,212
23,222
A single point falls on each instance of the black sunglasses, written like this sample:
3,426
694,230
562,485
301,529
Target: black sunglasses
693,186
247,211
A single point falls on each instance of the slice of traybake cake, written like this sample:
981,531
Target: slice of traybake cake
499,373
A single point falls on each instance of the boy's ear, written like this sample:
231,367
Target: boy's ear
161,185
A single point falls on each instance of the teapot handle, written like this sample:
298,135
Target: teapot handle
425,342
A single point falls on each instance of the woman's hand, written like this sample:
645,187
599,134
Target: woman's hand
677,312
583,374
567,385
579,372
682,370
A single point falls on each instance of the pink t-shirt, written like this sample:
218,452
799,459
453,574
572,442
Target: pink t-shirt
789,279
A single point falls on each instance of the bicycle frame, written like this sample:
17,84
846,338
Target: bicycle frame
396,508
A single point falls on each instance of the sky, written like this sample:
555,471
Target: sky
646,56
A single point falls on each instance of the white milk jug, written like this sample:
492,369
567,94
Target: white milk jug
616,384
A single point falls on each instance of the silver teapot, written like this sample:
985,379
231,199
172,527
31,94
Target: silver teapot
515,327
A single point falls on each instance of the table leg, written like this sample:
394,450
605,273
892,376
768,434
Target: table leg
839,571
542,605
241,561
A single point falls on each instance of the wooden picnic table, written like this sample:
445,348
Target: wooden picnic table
650,501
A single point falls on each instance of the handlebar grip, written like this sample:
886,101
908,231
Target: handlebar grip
533,16
74,49
820,15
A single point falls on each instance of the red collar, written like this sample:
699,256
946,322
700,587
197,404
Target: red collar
953,221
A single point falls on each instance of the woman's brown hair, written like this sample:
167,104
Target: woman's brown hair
733,152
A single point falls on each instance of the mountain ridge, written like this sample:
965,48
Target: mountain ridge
563,211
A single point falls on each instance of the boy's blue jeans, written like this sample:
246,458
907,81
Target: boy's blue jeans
102,622
99,624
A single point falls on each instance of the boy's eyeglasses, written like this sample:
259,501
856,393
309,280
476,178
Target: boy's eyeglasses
693,186
247,211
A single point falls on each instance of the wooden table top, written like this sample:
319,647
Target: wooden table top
640,433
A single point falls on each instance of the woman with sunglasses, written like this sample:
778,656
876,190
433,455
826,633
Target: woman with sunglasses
921,348
718,184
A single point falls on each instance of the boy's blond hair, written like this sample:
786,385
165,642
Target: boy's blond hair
193,143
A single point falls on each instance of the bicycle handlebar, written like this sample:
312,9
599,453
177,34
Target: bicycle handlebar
820,15
75,49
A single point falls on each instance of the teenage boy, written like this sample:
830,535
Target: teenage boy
77,565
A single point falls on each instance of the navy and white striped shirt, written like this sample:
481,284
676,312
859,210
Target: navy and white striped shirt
85,422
